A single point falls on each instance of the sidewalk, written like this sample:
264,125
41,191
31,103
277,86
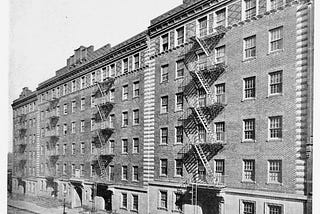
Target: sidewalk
42,210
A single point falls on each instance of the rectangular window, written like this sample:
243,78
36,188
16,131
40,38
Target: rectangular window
65,108
64,169
179,102
179,134
92,171
221,17
276,39
92,122
82,126
179,167
73,86
111,146
274,4
220,131
180,35
111,173
65,89
58,110
135,202
112,120
135,173
163,199
164,104
250,47
275,127
164,136
275,171
92,101
249,87
220,54
165,42
73,148
274,209
73,169
248,170
81,170
275,79
136,89
221,93
73,106
125,146
180,68
64,149
93,78
135,145
104,74
124,200
125,92
163,167
65,129
73,127
178,203
219,170
248,207
82,148
125,119
112,70
83,82
83,103
111,95
249,129
136,117
136,60
124,173
165,73
250,8
203,26
125,64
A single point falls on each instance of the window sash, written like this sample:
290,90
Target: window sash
125,92
164,104
275,82
179,102
249,87
125,173
163,199
124,146
274,4
274,209
179,134
136,116
164,136
249,129
164,74
125,119
275,127
250,8
248,208
276,39
221,17
220,54
203,26
164,166
136,89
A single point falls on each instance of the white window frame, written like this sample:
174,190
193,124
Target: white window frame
281,39
134,112
279,173
123,119
82,126
244,9
73,127
163,80
93,78
245,57
175,135
134,147
161,42
124,199
73,106
82,103
198,31
280,128
123,147
82,82
133,198
133,171
280,83
134,61
160,199
164,109
123,63
161,132
122,173
176,35
216,54
176,70
244,130
267,207
135,88
161,162
175,168
123,92
252,88
269,5
216,17
244,170
242,202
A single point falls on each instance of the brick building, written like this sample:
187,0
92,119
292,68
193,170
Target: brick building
207,111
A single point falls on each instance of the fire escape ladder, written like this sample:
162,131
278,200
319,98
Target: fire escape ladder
204,160
100,113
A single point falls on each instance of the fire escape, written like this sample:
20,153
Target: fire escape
103,129
203,108
22,159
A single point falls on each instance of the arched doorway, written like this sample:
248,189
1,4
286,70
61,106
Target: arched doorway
102,191
77,191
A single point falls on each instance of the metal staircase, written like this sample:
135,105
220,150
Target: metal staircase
199,149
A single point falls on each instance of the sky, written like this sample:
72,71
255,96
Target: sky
44,33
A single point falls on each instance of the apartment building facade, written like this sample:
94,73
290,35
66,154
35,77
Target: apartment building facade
208,111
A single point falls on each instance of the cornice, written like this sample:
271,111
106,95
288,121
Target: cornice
22,101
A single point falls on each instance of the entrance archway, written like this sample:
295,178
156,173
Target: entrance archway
102,191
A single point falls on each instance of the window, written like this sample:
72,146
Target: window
82,126
276,39
83,82
220,54
73,127
125,119
135,173
274,209
57,169
275,171
64,169
220,131
92,101
65,128
220,93
111,146
73,106
135,202
73,169
164,73
248,170
104,73
221,17
73,148
179,134
249,87
64,149
124,173
65,89
164,136
179,102
125,92
179,167
136,117
219,170
124,201
92,145
164,104
57,129
163,167
58,110
274,4
179,68
81,169
112,120
92,171
136,61
125,64
92,122
248,207
250,47
249,129
65,109
163,199
82,103
136,89
111,95
180,36
165,42
93,78
125,146
178,204
112,70
202,97
250,8
73,86
111,173
203,26
275,79
135,148
275,127
82,148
